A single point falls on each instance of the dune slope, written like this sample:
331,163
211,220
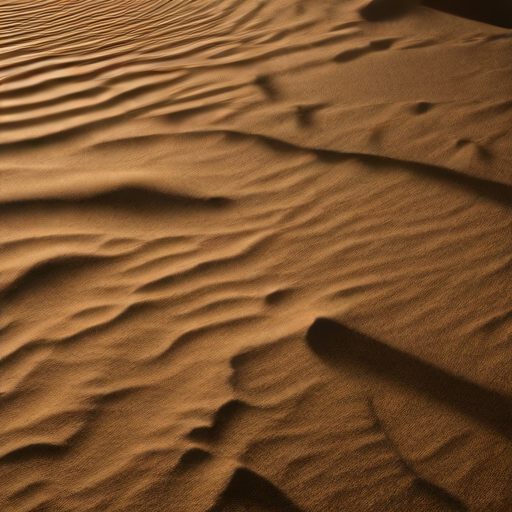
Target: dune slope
254,256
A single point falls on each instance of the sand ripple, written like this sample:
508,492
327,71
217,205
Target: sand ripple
253,256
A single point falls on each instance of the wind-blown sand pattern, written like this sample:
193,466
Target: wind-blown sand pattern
254,256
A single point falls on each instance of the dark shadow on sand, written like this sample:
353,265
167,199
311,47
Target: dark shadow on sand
493,12
248,491
341,346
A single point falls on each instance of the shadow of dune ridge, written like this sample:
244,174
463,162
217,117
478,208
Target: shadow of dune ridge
126,197
383,10
249,492
34,450
339,346
492,12
223,417
499,191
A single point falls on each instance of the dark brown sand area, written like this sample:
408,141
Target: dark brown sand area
255,256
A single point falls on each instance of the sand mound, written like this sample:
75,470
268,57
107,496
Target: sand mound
255,256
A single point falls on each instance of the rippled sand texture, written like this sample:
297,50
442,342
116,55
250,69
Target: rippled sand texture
255,256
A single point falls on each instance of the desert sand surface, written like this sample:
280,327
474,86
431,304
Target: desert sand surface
255,255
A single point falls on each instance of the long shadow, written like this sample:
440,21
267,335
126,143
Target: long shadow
126,197
34,451
340,346
498,191
493,12
383,10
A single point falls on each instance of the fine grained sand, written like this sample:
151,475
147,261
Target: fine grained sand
255,256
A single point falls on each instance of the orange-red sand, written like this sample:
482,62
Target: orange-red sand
255,255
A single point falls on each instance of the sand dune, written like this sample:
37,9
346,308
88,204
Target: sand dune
255,256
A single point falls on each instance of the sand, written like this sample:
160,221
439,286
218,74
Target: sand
255,256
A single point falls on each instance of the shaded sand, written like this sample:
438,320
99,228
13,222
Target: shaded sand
255,256
495,12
